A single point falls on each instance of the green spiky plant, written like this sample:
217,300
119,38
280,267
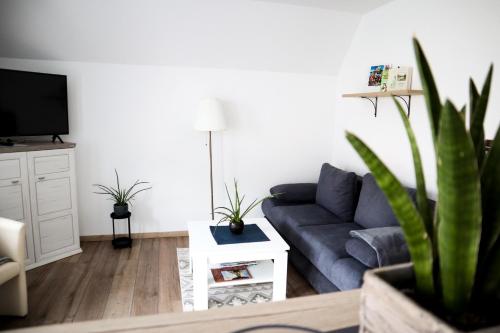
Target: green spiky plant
121,195
235,212
456,251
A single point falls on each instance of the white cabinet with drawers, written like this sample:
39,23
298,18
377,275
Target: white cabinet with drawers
39,188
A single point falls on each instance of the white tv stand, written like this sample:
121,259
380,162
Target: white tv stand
38,187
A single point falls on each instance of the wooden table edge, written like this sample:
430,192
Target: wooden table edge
324,312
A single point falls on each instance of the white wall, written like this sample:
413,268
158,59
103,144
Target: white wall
460,39
139,119
136,71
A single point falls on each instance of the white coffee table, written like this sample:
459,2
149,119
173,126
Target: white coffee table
272,257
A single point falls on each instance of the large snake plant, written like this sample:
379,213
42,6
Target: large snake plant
456,250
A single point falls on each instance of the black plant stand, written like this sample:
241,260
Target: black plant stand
121,242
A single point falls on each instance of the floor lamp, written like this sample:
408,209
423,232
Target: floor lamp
210,118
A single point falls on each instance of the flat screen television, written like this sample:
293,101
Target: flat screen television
32,104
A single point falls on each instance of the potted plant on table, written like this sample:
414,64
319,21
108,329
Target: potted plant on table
235,213
453,283
122,196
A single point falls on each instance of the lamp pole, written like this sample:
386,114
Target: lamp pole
211,175
210,118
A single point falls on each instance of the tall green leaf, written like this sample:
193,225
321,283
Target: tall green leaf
229,197
236,199
490,190
477,118
462,112
407,214
490,284
473,97
422,202
430,90
117,179
459,199
254,204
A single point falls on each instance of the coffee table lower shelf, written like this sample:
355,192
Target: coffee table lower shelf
262,272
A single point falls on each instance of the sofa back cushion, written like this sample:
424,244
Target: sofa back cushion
373,209
337,191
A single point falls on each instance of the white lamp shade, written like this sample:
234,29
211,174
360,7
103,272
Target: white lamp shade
210,116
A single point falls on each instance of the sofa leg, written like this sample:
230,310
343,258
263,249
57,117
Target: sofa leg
14,297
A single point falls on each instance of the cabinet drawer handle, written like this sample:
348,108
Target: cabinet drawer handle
15,182
41,178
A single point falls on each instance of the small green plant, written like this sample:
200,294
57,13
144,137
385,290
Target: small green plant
456,252
235,213
121,196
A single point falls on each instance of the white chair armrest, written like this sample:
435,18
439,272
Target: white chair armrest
12,239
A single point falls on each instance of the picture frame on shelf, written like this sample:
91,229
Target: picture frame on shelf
399,78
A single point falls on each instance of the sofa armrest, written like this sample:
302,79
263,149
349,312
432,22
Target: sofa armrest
388,243
295,193
12,238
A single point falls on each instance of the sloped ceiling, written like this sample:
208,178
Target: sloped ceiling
355,6
236,34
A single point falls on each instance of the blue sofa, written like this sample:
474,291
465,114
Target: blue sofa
316,220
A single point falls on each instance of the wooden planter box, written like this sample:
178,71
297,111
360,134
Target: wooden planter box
385,309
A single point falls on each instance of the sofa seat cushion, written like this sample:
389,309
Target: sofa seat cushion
362,252
337,191
347,273
287,219
311,214
8,271
324,244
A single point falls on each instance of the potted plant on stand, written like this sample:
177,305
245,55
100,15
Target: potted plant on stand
453,283
121,196
235,213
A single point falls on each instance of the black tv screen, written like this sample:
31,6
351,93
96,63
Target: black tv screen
32,104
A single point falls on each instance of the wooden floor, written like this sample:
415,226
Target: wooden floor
105,283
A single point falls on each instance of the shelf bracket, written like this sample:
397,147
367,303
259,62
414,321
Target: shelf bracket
374,101
407,103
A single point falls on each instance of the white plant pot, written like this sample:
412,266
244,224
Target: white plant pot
384,308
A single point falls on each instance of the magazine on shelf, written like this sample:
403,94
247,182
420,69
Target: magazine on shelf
375,77
385,78
237,263
225,274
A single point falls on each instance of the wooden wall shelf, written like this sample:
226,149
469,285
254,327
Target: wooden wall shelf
374,96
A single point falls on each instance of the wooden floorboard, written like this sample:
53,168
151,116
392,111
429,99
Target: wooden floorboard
64,294
169,299
102,283
119,302
99,286
41,300
87,262
145,300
